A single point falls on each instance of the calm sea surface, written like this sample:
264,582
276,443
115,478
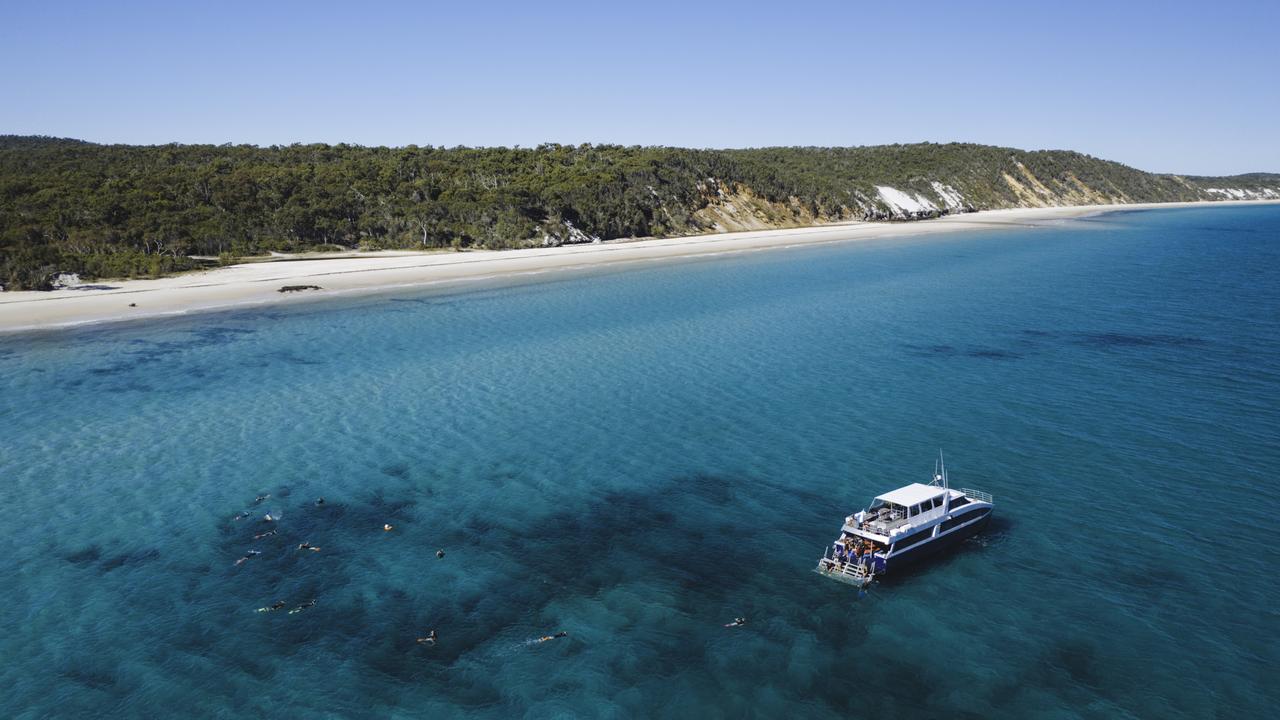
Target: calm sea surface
638,456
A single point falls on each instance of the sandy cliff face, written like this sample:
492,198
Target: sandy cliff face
728,206
1244,193
733,206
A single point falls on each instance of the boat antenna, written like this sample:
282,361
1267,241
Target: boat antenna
942,475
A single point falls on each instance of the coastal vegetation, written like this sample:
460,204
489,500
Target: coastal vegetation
68,206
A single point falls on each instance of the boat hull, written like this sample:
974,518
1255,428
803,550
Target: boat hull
929,548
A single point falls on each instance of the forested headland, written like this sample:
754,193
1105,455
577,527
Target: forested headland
68,206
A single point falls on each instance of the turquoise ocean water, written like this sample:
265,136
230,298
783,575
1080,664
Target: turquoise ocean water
636,457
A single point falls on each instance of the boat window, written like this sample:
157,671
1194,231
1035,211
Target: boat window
958,501
909,541
915,510
962,519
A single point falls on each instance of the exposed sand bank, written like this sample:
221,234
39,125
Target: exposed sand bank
259,283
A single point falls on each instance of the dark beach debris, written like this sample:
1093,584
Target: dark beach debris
298,288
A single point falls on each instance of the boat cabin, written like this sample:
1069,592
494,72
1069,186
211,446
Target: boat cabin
907,507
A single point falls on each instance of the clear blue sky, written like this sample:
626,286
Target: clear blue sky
1164,86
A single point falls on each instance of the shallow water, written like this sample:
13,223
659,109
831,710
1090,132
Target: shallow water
636,457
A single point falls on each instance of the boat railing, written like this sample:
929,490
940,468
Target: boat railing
899,524
854,573
977,495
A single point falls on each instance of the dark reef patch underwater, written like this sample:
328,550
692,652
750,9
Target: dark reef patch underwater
638,457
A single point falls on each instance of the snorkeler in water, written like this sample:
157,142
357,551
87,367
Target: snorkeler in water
277,605
268,533
303,606
308,546
260,498
737,622
249,556
560,634
269,518
430,639
241,516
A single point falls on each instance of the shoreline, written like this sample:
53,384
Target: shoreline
258,283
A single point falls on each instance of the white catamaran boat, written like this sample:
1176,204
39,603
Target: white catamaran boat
903,526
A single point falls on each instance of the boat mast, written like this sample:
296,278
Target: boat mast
940,475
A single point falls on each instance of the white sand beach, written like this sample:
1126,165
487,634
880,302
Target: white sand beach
259,283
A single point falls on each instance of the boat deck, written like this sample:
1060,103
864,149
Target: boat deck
852,573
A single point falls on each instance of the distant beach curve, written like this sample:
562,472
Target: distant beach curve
261,283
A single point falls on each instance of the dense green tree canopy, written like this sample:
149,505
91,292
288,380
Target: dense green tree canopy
120,210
